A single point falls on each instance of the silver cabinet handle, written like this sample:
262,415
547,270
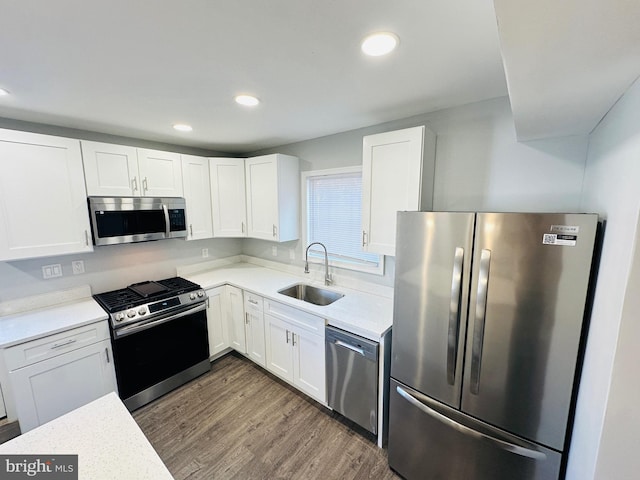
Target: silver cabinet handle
134,184
191,229
242,224
106,352
480,317
63,344
454,315
502,444
86,238
252,301
246,318
145,184
287,336
364,236
275,231
293,339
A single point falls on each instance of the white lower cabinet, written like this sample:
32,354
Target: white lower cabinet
254,328
216,324
51,376
235,320
295,348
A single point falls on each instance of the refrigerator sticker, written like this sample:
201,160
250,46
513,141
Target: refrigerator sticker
555,239
568,229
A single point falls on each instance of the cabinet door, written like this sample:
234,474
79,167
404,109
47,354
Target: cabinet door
197,193
279,352
3,411
309,364
45,390
391,182
255,336
262,197
161,173
43,201
228,197
216,325
110,170
234,309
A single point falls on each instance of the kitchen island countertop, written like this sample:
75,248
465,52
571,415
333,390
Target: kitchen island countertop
103,434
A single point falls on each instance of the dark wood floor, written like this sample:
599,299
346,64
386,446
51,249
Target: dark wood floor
238,422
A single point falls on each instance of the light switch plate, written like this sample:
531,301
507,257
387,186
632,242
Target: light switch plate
274,251
205,252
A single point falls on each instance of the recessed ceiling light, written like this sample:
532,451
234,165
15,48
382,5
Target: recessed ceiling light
247,100
3,92
181,127
378,44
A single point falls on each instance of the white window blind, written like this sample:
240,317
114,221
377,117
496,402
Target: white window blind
334,210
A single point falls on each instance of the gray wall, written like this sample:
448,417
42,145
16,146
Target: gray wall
480,165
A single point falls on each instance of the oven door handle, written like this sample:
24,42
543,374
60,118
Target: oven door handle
124,331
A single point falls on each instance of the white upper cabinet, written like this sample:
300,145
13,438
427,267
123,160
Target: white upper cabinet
197,193
43,201
161,173
120,171
110,170
397,175
273,197
228,197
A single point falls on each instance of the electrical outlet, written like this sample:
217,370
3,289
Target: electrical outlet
292,254
274,251
77,266
51,271
205,252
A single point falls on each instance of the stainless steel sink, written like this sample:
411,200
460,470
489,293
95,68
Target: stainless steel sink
311,294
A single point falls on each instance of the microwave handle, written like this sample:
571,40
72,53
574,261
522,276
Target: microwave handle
166,220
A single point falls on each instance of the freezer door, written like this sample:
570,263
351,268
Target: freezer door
528,295
430,440
433,265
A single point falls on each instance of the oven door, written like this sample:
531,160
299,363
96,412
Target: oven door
155,357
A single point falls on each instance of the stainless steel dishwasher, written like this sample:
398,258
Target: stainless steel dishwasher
352,377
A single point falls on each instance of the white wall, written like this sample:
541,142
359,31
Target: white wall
605,443
479,166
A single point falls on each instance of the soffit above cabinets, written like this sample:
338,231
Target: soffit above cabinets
567,62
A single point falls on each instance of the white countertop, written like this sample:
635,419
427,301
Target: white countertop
107,440
361,313
26,326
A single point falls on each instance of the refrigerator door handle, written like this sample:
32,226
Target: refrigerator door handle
502,444
454,315
480,316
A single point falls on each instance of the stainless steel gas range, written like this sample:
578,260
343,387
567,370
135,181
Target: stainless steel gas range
159,337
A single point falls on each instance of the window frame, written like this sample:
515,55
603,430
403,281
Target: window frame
333,260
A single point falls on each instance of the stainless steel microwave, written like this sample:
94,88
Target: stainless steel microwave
117,220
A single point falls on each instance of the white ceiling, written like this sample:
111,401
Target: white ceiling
134,68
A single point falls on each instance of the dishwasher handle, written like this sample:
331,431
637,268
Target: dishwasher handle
337,338
353,348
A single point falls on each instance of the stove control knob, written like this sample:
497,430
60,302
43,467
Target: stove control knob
142,311
119,317
131,313
201,294
192,296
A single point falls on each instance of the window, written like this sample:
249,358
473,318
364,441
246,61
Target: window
333,201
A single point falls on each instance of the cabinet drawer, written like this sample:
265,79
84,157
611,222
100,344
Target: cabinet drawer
53,345
253,302
307,321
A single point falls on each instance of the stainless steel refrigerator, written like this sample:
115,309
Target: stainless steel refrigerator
488,319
